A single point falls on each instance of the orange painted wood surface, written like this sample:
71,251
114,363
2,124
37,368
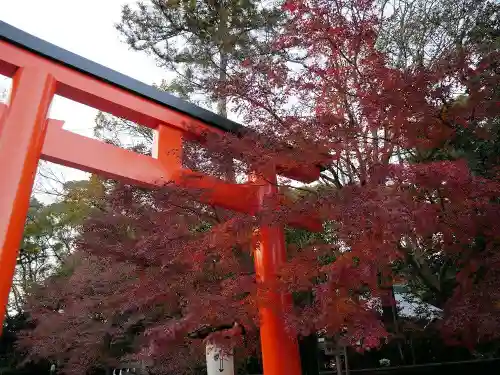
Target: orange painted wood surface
22,134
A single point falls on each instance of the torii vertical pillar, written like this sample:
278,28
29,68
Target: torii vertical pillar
22,132
280,351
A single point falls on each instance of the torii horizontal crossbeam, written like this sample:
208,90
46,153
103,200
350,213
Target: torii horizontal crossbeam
90,155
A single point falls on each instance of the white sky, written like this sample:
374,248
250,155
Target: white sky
85,28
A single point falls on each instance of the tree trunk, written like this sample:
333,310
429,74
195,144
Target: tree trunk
223,36
226,167
308,347
222,102
390,317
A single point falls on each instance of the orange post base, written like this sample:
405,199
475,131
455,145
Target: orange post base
280,351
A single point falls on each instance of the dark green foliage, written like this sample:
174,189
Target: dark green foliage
201,41
12,362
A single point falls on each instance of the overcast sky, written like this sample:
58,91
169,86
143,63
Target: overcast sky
85,28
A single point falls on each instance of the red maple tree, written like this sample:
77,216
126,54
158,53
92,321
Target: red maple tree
160,263
391,198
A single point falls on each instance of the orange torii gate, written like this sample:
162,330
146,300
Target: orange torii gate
39,71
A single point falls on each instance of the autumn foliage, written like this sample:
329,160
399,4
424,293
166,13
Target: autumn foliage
396,200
